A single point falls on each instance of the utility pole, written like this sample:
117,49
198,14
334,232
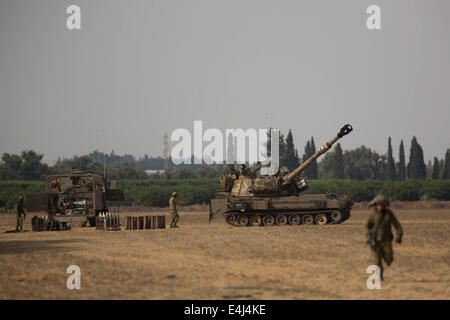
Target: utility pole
166,152
104,154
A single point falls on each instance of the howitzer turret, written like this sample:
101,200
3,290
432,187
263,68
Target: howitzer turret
277,199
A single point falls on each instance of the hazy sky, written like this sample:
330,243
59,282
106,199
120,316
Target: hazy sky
139,69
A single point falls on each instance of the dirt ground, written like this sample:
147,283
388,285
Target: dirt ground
217,261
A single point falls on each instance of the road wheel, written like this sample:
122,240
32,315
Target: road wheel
255,221
230,219
269,220
294,219
281,220
307,219
242,220
336,217
321,219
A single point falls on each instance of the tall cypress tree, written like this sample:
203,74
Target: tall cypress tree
297,158
313,168
446,173
306,155
416,165
338,162
436,169
401,162
390,171
282,151
291,152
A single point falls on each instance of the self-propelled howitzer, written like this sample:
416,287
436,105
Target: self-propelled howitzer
277,200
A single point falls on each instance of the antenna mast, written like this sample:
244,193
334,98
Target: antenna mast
166,152
104,154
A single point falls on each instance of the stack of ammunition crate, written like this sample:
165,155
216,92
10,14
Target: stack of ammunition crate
146,222
108,221
46,224
100,222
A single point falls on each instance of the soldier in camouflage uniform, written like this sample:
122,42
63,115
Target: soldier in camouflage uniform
379,234
244,171
249,173
173,202
20,212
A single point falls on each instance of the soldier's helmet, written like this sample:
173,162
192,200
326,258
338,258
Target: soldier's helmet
283,171
379,199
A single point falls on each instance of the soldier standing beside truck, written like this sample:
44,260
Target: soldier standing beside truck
20,212
379,234
173,202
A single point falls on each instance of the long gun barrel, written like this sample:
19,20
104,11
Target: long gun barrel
327,146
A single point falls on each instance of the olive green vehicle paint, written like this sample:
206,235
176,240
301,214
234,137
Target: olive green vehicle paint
277,200
74,197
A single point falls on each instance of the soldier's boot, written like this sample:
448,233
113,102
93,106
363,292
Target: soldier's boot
19,226
378,259
387,256
381,271
389,259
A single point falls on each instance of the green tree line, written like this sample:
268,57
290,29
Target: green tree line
157,192
364,164
360,163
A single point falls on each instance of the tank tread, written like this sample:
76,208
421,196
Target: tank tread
320,217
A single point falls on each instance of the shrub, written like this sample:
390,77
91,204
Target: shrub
156,192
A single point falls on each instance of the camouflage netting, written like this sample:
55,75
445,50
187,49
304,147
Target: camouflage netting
266,184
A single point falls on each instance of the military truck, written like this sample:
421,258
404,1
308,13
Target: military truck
277,200
77,197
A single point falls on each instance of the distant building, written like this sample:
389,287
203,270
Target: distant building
154,172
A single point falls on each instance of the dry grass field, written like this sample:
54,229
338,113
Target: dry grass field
217,261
